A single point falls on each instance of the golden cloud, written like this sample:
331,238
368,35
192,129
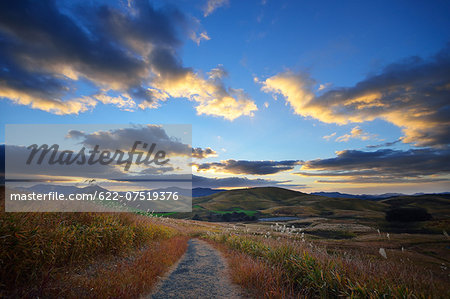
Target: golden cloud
412,95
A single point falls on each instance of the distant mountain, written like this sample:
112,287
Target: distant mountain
370,196
91,189
45,188
360,196
199,192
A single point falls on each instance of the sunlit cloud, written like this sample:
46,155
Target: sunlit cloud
124,138
53,105
200,153
211,96
328,137
130,56
412,95
355,133
123,102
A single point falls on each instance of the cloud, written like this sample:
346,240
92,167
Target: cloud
212,97
124,139
328,137
355,133
384,144
248,167
122,102
323,86
16,168
200,153
412,94
129,55
198,37
296,88
386,165
212,5
230,182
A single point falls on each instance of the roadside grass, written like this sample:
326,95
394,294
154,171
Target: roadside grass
127,278
259,278
289,267
34,246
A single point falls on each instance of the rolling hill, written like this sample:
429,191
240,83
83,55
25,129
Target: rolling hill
276,202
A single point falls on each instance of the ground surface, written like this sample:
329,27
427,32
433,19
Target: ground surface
201,273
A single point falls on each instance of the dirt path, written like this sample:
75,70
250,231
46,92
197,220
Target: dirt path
201,273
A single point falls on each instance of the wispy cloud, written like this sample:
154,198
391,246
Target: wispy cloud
212,5
328,137
355,133
386,144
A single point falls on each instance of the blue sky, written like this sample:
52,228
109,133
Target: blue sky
261,82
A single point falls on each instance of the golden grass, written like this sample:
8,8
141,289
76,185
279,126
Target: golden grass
285,268
36,247
257,277
126,279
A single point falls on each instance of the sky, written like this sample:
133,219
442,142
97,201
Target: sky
348,96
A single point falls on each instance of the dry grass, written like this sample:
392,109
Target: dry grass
288,267
127,278
38,249
259,278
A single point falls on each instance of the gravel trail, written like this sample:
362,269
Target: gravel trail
201,273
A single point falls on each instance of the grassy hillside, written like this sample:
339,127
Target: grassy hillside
247,199
271,201
437,204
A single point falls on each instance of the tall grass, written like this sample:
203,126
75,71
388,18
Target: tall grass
35,245
293,268
128,278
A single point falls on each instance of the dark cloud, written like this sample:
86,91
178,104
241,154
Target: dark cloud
412,94
204,182
125,138
388,166
249,167
43,41
386,144
201,153
48,47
